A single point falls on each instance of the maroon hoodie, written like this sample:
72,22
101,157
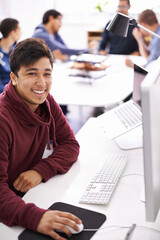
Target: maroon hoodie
23,137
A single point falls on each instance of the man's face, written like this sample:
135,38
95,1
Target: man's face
33,82
56,23
123,7
16,34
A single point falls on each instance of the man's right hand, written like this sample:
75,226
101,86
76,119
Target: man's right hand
52,220
137,34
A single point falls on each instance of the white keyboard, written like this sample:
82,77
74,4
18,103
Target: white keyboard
101,186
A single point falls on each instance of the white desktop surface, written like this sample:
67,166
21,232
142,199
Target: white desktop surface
106,91
125,206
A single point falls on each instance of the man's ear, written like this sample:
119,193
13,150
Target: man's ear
51,18
13,78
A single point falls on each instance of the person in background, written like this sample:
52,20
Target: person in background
114,44
148,19
11,33
48,31
30,123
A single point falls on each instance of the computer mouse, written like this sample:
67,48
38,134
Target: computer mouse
81,227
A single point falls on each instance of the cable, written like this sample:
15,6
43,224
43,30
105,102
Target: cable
149,228
112,226
132,174
118,226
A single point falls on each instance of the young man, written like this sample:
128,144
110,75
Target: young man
11,32
31,120
48,31
114,44
148,19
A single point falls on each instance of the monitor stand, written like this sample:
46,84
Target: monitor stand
131,140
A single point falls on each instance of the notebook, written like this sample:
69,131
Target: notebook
128,115
89,58
90,220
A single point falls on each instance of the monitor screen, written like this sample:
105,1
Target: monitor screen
150,93
139,75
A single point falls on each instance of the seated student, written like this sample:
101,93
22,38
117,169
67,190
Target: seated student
11,32
30,120
48,31
114,44
118,44
148,19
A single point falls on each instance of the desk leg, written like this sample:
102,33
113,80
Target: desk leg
78,115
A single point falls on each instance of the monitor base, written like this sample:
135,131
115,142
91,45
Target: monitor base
131,140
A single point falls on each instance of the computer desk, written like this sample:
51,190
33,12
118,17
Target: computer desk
106,91
124,207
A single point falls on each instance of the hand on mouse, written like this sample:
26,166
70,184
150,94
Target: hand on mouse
81,227
58,220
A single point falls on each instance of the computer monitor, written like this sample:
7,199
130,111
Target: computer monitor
139,75
150,93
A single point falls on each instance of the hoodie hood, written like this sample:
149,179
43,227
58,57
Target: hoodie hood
41,117
40,28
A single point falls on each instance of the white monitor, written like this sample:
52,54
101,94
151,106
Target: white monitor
150,94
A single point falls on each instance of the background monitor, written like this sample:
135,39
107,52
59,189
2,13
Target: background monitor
150,93
139,75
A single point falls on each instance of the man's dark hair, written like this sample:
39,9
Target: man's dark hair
49,13
148,17
7,25
27,52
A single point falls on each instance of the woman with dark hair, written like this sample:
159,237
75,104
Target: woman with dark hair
11,32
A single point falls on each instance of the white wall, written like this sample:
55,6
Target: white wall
28,12
79,16
75,23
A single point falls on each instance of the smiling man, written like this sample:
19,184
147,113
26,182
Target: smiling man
31,121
